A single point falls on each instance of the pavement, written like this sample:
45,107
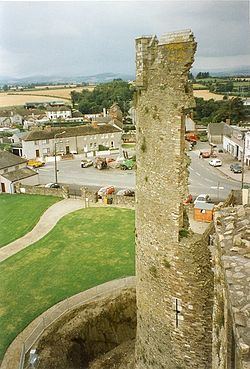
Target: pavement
47,221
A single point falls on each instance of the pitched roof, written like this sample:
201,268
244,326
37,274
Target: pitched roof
18,174
7,159
85,130
58,108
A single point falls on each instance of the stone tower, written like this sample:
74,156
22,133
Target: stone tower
174,278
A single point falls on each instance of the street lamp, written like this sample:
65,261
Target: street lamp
243,159
57,134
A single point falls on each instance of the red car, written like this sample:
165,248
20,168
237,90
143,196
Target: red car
188,200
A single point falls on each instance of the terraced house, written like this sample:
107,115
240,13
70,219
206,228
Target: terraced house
73,140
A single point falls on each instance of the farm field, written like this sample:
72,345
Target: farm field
20,98
20,213
85,248
206,95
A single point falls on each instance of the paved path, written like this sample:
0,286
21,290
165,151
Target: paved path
47,221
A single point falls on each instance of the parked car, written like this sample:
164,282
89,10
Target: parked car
203,198
188,200
205,154
86,163
236,168
215,163
52,185
108,190
35,163
126,192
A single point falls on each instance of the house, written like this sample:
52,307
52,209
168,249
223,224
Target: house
215,132
70,140
16,142
13,169
10,118
57,112
234,139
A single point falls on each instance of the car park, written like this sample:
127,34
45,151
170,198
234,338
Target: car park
52,185
215,163
108,190
203,198
236,168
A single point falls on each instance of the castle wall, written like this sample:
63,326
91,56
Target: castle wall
174,278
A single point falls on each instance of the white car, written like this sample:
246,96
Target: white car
202,198
215,163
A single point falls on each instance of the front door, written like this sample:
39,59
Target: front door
37,154
3,187
67,149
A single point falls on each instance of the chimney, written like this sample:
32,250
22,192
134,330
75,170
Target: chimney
228,121
104,112
94,124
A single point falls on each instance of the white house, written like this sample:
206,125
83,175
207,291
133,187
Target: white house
13,169
62,112
70,140
233,140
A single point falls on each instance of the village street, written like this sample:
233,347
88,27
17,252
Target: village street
203,178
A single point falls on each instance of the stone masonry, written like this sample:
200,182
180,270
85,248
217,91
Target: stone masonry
174,276
231,317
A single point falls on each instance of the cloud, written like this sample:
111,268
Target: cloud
91,37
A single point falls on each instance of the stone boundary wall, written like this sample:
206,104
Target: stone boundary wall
35,190
15,354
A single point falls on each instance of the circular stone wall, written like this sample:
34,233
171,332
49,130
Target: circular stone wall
92,336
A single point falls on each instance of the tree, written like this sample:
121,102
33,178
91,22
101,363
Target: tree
103,96
5,87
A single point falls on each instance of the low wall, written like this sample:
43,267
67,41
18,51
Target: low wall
91,197
35,190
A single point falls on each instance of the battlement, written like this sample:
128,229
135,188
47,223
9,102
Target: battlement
177,37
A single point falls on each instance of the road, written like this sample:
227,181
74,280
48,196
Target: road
206,179
203,178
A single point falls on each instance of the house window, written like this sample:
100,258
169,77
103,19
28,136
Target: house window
36,142
112,144
5,170
91,145
95,144
46,151
16,167
45,142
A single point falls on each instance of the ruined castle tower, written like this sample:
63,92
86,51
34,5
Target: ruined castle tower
174,278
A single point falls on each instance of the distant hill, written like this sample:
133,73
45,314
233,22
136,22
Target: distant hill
96,78
230,72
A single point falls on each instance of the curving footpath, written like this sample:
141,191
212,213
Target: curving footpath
47,221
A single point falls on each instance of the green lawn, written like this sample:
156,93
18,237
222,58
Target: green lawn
20,213
86,248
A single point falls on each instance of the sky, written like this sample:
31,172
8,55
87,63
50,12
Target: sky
81,38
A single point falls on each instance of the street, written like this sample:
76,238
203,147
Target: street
202,179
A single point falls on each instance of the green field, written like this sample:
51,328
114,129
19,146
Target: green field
85,248
20,213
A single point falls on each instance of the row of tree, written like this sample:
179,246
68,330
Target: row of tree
103,96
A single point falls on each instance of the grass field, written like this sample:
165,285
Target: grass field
86,248
20,213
